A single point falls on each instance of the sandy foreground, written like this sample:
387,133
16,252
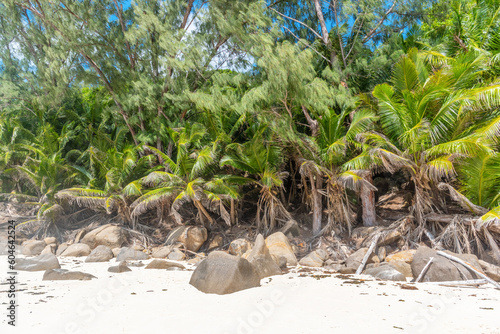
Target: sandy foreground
161,301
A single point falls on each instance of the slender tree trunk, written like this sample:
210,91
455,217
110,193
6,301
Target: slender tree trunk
316,184
368,203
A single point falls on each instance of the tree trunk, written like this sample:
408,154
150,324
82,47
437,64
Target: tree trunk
316,184
233,213
368,203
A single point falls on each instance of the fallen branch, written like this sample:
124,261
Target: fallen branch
422,273
367,255
468,266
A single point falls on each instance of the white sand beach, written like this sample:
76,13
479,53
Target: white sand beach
161,301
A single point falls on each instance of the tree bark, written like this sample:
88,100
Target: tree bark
316,184
368,203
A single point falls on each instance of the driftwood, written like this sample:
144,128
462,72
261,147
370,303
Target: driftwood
422,273
468,266
367,255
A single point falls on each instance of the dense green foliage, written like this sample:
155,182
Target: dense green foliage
162,112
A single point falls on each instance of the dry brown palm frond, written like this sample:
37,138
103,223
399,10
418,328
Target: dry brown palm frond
269,209
339,210
463,201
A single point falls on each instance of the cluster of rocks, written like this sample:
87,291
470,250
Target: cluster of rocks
244,263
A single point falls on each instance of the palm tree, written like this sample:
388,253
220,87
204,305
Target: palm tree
335,145
188,178
428,117
262,160
113,181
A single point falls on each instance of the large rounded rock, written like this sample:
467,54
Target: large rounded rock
279,246
239,246
39,263
76,250
221,273
63,275
262,259
316,258
127,253
443,269
32,247
100,254
107,235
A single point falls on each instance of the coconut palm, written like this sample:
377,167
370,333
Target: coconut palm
113,181
262,160
189,178
427,121
335,145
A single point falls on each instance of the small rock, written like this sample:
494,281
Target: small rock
161,252
176,255
50,240
490,270
382,253
278,246
100,254
314,259
221,273
121,268
406,256
39,263
63,274
261,259
386,273
108,235
162,264
216,242
193,237
239,247
32,247
76,250
127,253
